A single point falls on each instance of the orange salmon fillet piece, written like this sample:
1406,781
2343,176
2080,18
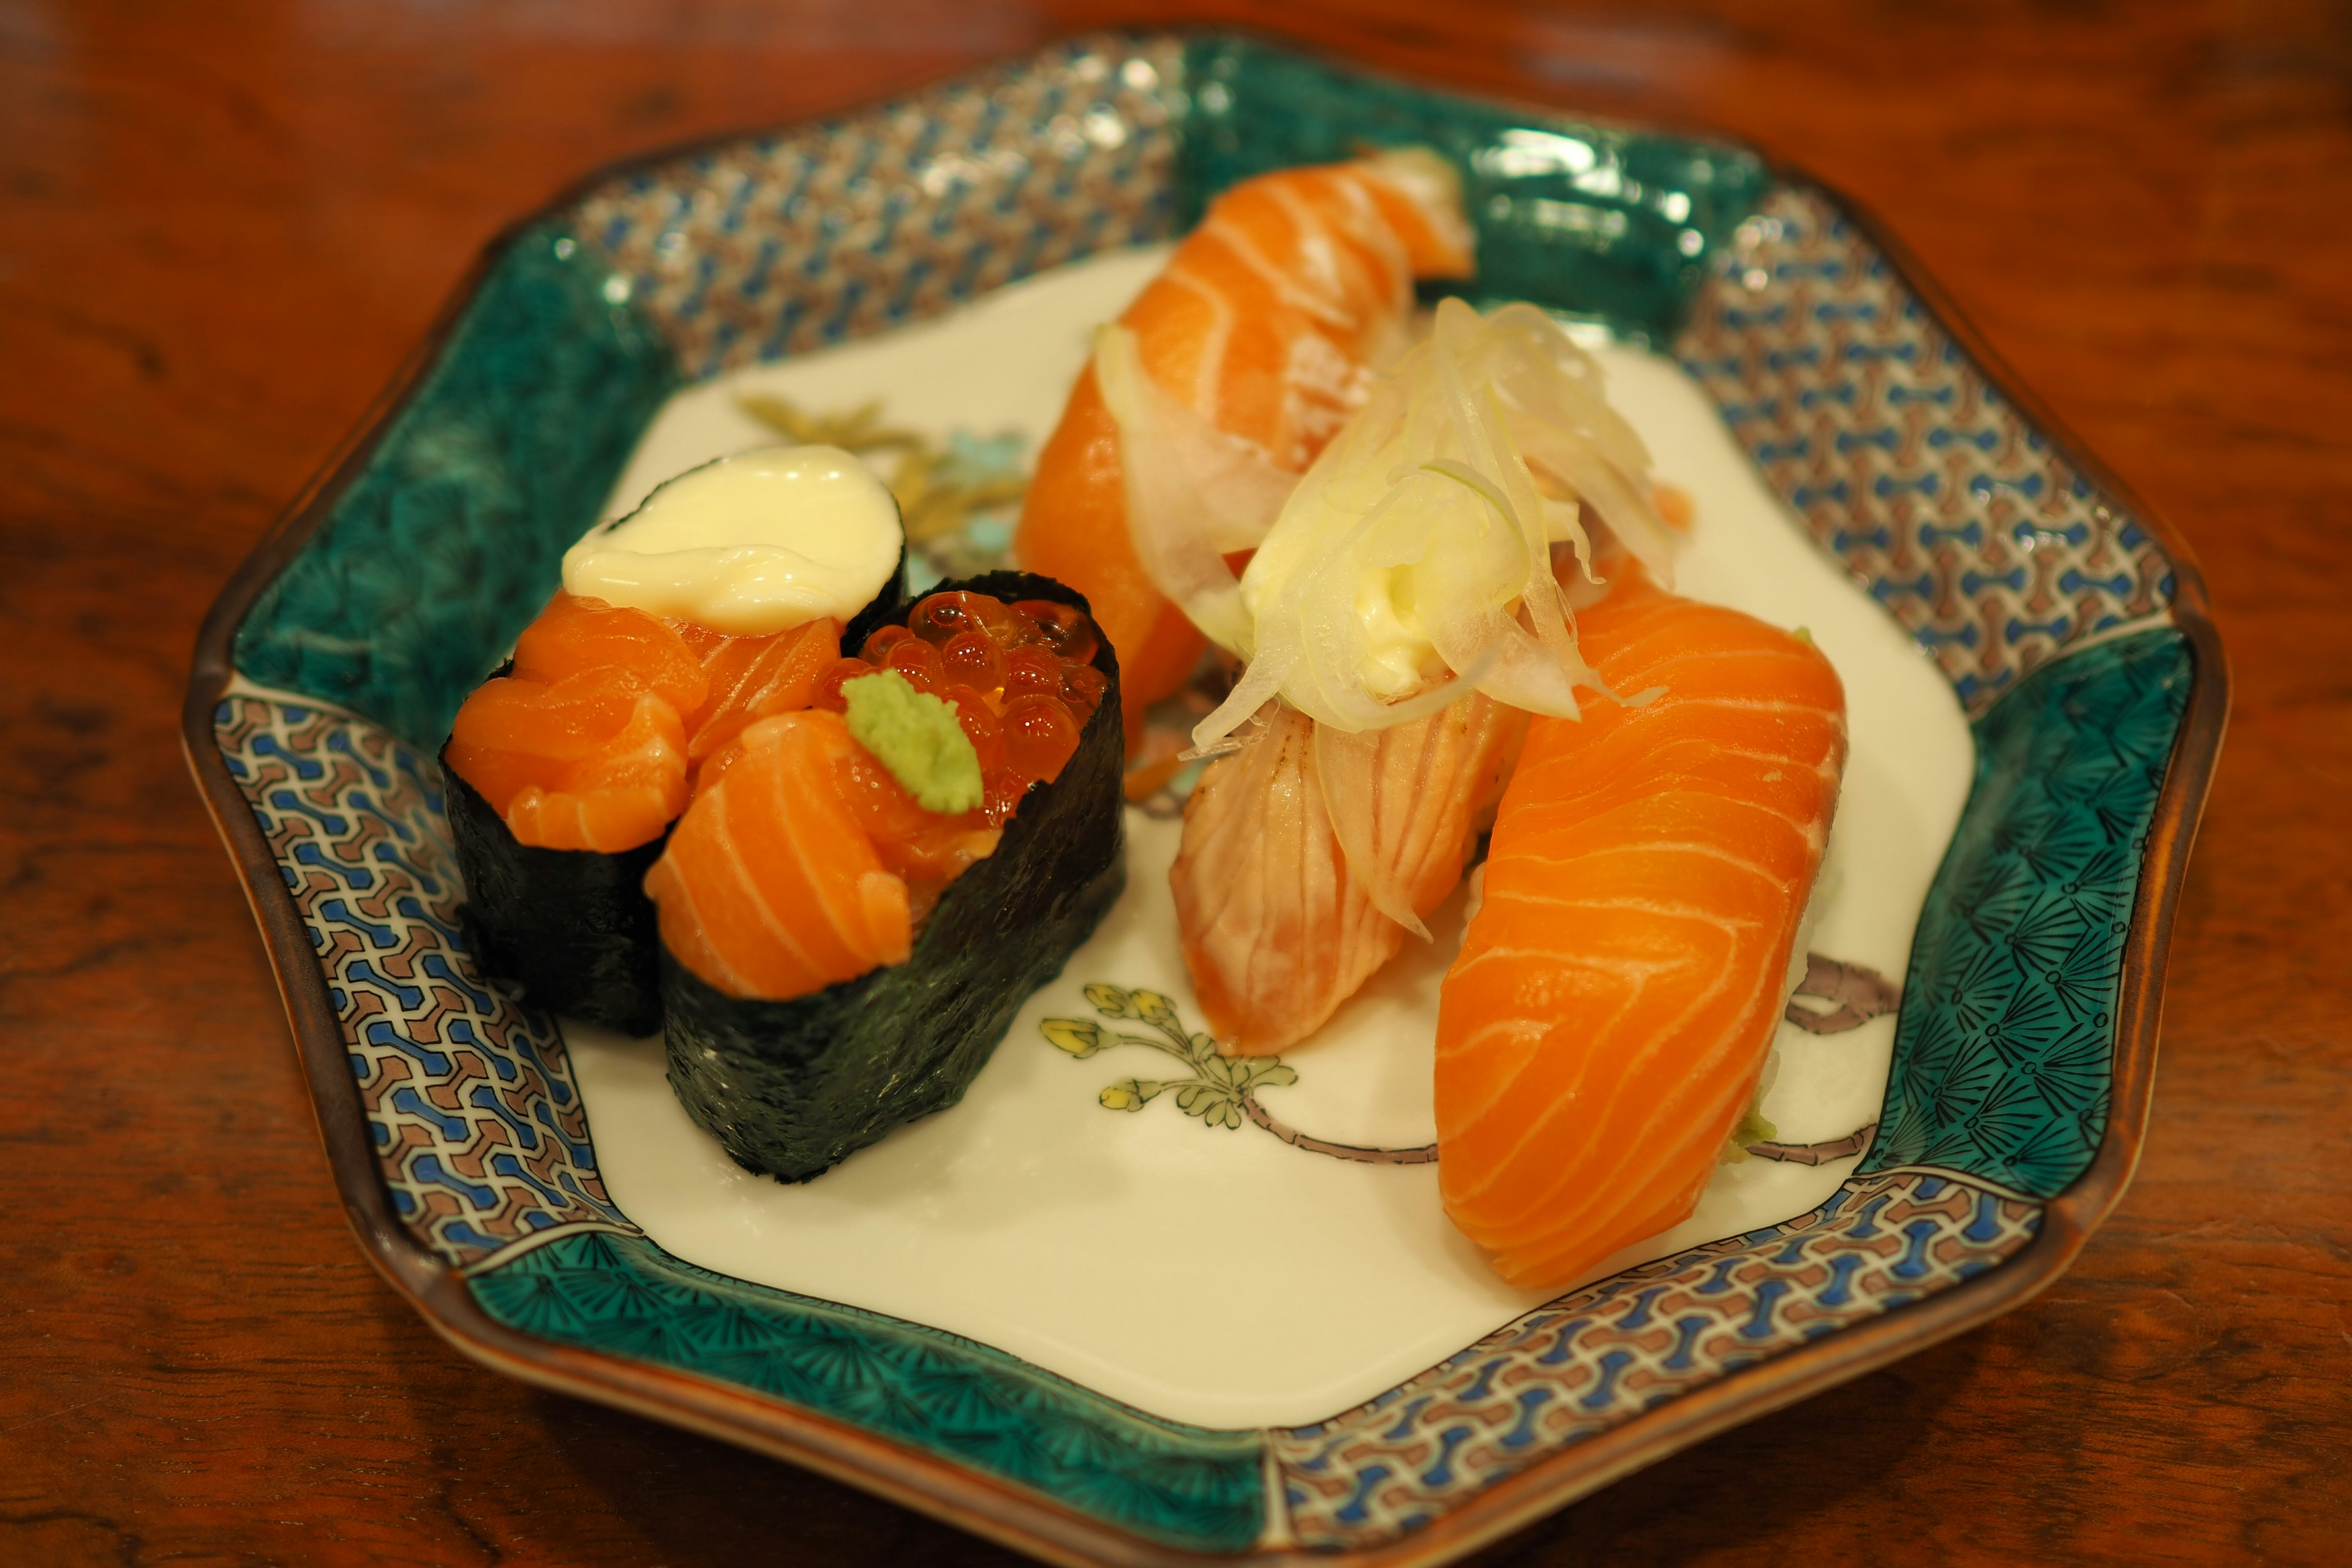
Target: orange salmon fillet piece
572,634
755,677
1267,322
768,885
582,746
621,796
1614,1004
591,740
1278,930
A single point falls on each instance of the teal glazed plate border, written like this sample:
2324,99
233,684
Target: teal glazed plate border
2069,621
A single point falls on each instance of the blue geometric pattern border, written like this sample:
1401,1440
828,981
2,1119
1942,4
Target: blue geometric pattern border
477,1126
1598,1357
1903,460
840,229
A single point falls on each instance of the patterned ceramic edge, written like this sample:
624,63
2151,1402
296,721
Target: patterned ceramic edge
476,1123
759,247
1381,1511
480,1134
485,1150
1585,1362
446,541
1992,547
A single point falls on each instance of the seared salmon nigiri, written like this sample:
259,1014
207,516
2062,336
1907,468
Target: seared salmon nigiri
1404,622
1262,855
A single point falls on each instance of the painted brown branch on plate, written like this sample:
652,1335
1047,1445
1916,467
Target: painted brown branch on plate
1220,1090
1852,1143
1426,1154
1857,993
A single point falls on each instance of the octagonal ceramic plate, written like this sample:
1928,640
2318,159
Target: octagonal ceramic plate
1114,1318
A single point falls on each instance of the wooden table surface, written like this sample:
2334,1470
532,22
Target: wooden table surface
221,226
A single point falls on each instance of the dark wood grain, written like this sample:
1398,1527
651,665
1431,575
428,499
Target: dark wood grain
222,227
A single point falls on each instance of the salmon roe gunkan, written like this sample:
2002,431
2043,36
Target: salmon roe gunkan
1021,678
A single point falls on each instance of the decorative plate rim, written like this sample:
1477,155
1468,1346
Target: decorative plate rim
1004,1511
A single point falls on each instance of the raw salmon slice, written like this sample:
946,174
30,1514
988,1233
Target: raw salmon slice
1278,925
621,796
928,849
590,760
581,745
802,861
755,677
572,634
768,885
1267,324
1614,1004
591,740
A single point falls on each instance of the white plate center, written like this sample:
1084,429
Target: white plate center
1218,1275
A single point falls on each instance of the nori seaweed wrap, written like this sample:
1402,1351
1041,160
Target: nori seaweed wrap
574,927
791,1089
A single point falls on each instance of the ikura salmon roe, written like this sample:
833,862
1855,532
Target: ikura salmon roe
920,662
1020,676
828,685
1031,669
981,724
1040,736
1008,626
1004,789
1083,686
1065,630
877,648
940,619
973,656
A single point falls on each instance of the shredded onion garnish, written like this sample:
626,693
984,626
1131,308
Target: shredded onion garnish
1412,562
1193,491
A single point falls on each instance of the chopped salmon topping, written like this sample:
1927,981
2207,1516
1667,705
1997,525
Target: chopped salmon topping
802,862
591,740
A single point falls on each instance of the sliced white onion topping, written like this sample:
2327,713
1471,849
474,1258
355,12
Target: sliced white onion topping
1413,560
1193,492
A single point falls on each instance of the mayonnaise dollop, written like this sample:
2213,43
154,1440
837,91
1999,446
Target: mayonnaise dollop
758,542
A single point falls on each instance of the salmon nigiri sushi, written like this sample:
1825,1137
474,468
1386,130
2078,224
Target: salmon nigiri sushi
719,602
1260,338
1606,1022
1264,854
861,893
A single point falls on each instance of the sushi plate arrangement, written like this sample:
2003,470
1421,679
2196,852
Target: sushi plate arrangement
1183,803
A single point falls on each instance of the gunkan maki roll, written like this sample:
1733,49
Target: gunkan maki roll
720,600
862,895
